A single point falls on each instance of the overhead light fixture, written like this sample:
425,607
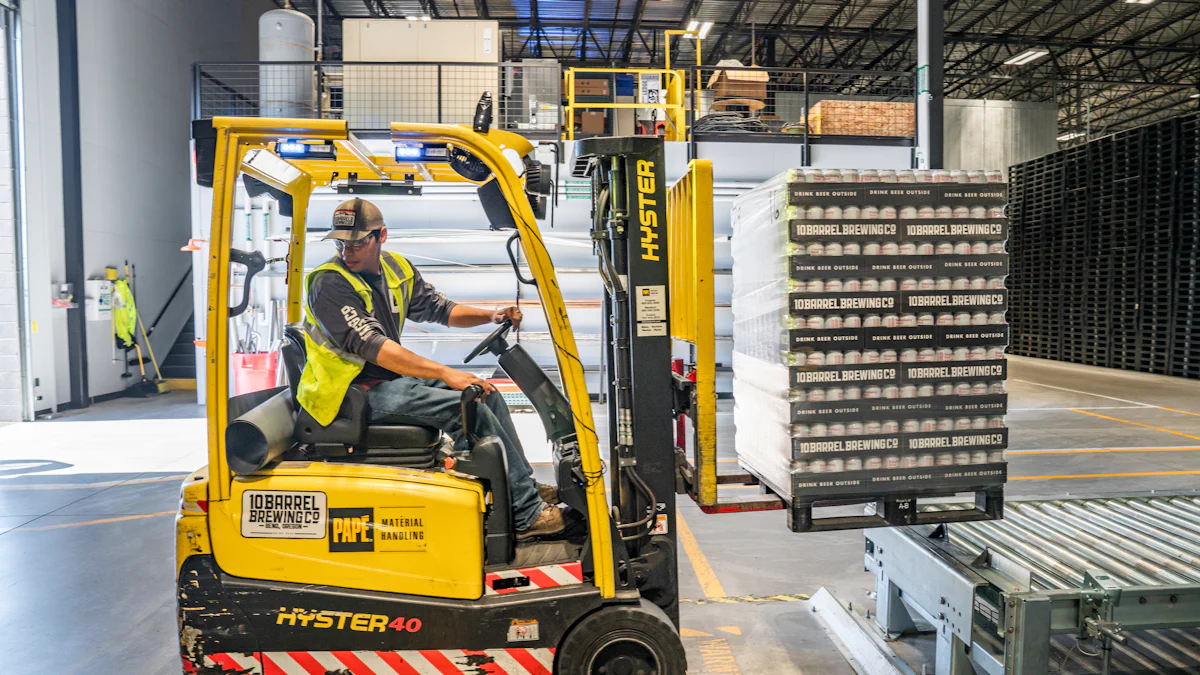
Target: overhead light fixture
1069,137
697,30
1194,96
1027,56
412,17
1140,2
704,29
693,27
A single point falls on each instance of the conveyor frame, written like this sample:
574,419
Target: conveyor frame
997,611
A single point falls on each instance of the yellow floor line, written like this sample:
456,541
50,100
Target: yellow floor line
1108,475
704,572
1136,424
1175,410
96,522
81,486
1085,451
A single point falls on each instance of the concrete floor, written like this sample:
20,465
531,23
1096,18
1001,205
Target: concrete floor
86,536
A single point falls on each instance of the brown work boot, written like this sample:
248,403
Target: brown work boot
548,493
549,521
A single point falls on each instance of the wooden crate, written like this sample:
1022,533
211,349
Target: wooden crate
862,118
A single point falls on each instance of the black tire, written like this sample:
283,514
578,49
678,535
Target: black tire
622,640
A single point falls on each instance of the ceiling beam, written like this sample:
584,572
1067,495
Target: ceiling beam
639,11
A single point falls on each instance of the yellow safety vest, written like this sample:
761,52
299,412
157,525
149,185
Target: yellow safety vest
329,370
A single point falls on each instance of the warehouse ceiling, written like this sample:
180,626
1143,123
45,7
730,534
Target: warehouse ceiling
1112,64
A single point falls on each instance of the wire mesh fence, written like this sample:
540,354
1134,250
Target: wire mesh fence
774,101
370,96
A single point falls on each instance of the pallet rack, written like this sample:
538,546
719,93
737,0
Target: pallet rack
1105,247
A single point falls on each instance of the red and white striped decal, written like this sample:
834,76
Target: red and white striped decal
548,576
423,662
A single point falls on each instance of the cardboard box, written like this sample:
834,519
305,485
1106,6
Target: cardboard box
592,87
862,118
750,84
592,122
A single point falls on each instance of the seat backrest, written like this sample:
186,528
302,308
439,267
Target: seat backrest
294,355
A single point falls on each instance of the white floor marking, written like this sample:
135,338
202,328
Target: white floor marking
1110,407
1138,404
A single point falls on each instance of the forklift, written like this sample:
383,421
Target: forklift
357,547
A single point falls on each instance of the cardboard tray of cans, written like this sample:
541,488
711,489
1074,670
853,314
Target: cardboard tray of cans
892,330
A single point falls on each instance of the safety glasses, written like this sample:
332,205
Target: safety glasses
355,245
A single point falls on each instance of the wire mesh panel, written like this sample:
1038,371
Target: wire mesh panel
370,96
790,101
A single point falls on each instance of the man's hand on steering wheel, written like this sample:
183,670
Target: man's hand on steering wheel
457,379
512,314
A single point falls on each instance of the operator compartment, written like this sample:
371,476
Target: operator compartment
374,528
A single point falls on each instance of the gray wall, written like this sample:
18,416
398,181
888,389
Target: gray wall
997,134
11,391
135,89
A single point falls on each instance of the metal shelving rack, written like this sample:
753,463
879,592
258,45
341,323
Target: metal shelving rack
1105,248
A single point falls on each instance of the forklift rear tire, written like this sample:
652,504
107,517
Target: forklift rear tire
622,640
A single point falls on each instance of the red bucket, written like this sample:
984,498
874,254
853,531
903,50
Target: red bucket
254,372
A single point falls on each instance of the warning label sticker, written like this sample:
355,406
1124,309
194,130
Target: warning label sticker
651,303
657,329
660,524
280,514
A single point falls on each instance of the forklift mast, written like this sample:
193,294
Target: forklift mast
629,234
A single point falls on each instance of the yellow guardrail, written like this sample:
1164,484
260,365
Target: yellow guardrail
672,82
690,241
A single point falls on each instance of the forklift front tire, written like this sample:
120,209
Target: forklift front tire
622,640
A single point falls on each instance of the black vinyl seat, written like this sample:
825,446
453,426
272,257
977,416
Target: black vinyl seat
351,436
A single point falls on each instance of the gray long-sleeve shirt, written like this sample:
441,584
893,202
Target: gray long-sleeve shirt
342,315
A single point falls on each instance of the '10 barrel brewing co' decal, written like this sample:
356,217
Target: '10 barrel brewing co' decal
283,514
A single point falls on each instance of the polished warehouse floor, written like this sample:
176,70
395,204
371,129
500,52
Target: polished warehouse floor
86,501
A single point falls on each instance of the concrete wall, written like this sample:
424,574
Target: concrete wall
135,88
997,134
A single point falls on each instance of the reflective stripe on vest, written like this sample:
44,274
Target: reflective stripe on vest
329,370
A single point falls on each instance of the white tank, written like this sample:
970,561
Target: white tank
286,91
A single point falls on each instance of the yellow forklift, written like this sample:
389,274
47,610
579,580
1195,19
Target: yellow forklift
377,549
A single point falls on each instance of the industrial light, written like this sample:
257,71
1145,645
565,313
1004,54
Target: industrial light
1194,96
1140,2
1070,137
298,150
421,152
1027,56
414,17
697,30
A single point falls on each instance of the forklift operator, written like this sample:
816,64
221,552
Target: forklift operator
357,303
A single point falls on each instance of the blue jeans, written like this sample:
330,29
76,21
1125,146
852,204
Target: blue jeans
431,403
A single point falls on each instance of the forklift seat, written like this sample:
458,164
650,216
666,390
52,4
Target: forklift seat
351,435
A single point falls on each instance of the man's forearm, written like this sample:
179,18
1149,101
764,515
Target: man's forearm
404,362
465,316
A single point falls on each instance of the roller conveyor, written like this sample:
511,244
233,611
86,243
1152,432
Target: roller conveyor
1068,586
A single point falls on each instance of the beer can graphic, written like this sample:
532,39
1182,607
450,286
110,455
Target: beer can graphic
833,285
852,321
943,284
925,391
942,176
996,422
872,391
833,213
928,425
817,465
851,248
978,283
815,286
887,285
818,430
853,463
996,319
873,463
908,461
837,429
888,356
945,319
816,322
852,285
836,465
908,391
945,424
887,212
961,248
872,248
979,423
816,249
833,249
945,354
996,387
925,319
996,456
890,248
908,356
905,176
908,212
944,248
891,427
996,247
833,358
851,212
891,391
979,457
833,322
853,393
814,213
926,355
870,356
945,389
979,388
943,212
869,212
908,248
962,212
797,395
926,212
995,353
977,354
910,427
979,212
995,212
854,429
872,321
872,428
870,285
962,319
816,395
926,284
979,319
891,321
925,460
960,389
995,282
945,459
816,359
994,176
979,248
908,320
887,175
800,431
891,462
925,248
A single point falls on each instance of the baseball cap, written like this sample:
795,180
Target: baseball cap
354,219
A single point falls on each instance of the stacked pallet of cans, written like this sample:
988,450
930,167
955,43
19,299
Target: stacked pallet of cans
869,337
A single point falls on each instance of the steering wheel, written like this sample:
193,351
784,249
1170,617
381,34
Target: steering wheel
488,341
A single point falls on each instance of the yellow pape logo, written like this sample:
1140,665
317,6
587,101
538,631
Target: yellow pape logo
647,217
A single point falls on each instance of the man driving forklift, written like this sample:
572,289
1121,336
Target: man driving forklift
357,303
